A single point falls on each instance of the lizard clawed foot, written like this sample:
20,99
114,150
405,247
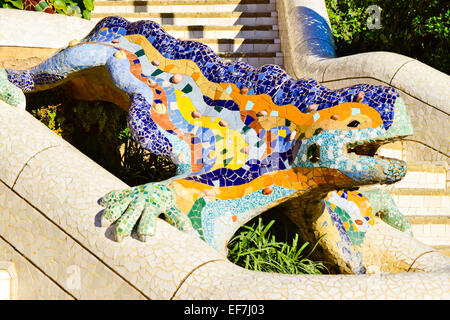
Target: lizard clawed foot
147,202
9,92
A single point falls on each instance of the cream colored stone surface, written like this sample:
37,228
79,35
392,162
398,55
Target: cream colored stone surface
8,281
380,65
147,266
429,142
427,176
17,146
300,60
217,22
425,83
33,284
387,249
77,271
411,201
42,31
112,7
56,224
235,283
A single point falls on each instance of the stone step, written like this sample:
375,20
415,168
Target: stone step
222,32
424,175
198,18
158,6
433,230
242,45
422,201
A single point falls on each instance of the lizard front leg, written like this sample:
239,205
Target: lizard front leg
9,92
383,205
147,202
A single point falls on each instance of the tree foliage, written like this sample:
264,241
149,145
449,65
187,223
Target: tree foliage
77,8
416,28
254,247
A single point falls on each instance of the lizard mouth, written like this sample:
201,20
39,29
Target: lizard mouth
355,153
386,170
369,148
364,148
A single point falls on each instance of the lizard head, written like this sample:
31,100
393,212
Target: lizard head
346,137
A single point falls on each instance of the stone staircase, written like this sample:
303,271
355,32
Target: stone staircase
235,29
423,196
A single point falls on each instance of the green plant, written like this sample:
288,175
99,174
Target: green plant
77,8
139,165
415,28
255,248
11,4
48,116
347,22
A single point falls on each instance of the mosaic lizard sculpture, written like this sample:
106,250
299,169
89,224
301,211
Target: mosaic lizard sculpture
244,139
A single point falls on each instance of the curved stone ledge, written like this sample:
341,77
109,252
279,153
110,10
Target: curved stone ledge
36,30
229,280
308,48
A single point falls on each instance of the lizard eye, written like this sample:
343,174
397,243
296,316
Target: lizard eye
353,124
313,153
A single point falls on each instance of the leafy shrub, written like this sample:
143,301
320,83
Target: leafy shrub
415,28
77,8
254,247
141,166
11,4
48,116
